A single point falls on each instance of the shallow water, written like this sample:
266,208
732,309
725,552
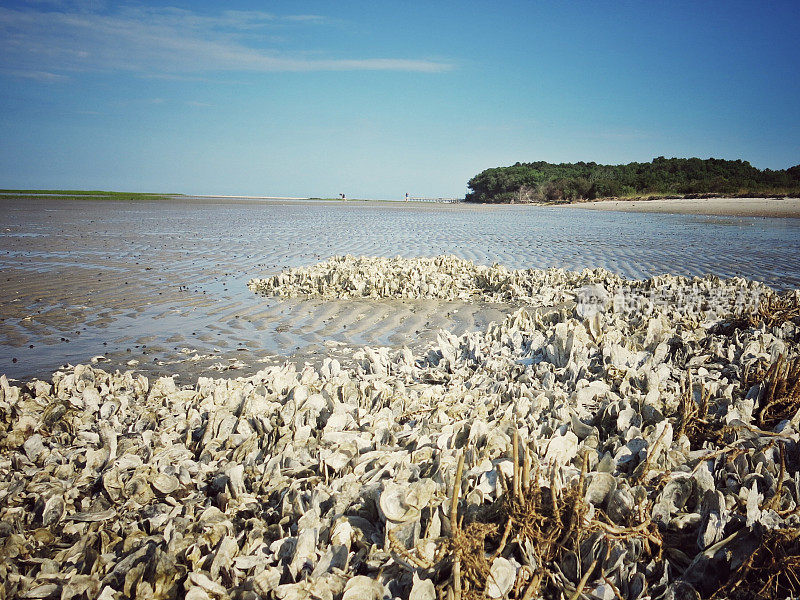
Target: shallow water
142,280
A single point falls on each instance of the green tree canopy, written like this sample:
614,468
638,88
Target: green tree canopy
546,182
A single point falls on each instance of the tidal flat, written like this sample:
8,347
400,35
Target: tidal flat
160,286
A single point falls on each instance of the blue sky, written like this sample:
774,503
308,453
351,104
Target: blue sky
376,99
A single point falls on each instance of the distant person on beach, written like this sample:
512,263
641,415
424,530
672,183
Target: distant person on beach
406,196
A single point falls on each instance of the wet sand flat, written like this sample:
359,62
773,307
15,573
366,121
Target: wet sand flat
162,286
730,207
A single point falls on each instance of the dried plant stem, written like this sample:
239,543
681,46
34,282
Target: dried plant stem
526,472
553,497
503,540
584,579
775,502
650,454
613,588
454,525
515,458
456,493
533,586
398,547
781,396
457,578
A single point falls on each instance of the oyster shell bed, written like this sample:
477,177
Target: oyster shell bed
453,278
665,435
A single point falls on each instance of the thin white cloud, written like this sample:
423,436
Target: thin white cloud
43,76
307,18
165,42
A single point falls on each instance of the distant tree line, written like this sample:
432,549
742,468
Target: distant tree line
565,182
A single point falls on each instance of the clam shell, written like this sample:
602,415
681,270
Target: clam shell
619,505
361,587
138,489
45,590
714,518
53,510
310,476
601,485
33,447
201,579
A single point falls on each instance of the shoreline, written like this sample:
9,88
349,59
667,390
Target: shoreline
112,196
754,207
724,207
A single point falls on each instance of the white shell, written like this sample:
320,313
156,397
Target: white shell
165,484
393,504
303,474
362,587
422,589
502,576
600,486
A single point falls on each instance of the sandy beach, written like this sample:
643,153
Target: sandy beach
728,207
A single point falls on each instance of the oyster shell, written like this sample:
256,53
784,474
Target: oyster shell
337,481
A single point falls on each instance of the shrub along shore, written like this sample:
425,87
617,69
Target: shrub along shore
543,182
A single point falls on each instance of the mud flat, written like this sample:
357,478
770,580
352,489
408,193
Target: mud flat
639,439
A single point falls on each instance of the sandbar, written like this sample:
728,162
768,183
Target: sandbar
731,207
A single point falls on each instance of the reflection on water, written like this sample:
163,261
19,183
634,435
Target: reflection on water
174,273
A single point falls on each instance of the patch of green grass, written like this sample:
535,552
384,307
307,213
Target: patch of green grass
84,194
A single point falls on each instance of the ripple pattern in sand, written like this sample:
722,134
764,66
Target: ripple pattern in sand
142,281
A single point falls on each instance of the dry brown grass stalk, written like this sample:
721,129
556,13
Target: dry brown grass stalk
770,573
692,418
772,311
774,503
550,520
780,398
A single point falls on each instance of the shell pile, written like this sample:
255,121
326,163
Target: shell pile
453,278
592,451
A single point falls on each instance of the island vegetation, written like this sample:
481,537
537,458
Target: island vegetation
662,178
